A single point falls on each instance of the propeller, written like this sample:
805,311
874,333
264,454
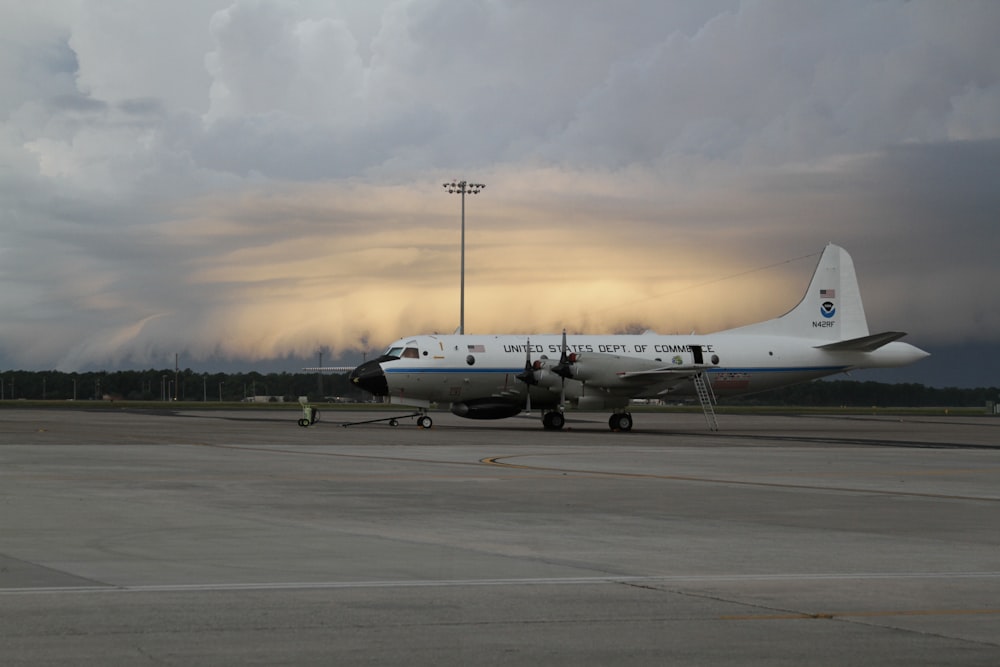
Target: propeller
527,376
564,369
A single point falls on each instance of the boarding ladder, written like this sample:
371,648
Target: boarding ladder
707,399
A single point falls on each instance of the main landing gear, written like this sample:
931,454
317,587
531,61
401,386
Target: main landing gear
621,421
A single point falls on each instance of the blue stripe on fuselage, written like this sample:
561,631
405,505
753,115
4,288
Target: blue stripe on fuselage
765,369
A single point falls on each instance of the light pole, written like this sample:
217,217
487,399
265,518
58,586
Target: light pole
462,187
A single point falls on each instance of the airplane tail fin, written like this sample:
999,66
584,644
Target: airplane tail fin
831,309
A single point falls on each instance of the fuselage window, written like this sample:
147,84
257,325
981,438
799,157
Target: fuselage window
411,353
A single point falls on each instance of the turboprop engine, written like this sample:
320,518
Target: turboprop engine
548,373
606,369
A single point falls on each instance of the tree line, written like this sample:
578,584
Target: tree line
852,393
188,385
166,385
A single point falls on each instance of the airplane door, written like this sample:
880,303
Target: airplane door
696,352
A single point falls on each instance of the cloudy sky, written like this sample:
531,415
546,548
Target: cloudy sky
246,182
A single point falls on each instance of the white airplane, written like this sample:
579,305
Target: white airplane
499,376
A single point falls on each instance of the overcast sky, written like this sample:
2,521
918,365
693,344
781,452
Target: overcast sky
241,181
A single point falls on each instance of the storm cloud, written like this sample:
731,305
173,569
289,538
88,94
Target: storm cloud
250,180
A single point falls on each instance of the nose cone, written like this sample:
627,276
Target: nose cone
369,376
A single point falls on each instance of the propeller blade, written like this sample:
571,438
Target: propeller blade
564,368
527,376
564,371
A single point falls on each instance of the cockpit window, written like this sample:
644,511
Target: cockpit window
401,352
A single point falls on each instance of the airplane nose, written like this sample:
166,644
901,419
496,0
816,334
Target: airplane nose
369,376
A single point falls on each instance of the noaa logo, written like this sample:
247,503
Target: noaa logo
677,360
827,309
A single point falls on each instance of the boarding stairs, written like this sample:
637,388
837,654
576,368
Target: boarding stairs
707,399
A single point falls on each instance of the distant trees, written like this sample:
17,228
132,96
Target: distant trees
835,393
155,385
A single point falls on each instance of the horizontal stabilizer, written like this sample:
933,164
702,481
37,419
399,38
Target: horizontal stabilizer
865,343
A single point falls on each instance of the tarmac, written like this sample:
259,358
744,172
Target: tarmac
239,538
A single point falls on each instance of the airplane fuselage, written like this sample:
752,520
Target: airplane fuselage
496,376
469,368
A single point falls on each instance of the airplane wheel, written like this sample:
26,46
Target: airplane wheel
553,421
625,422
614,421
425,422
303,423
393,422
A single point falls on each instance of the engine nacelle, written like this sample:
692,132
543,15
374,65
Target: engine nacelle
603,369
545,375
486,408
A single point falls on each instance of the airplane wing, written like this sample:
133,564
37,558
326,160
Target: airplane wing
329,369
659,381
661,374
864,343
631,375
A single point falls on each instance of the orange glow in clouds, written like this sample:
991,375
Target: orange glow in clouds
357,266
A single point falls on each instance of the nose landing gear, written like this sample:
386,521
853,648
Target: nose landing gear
553,421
